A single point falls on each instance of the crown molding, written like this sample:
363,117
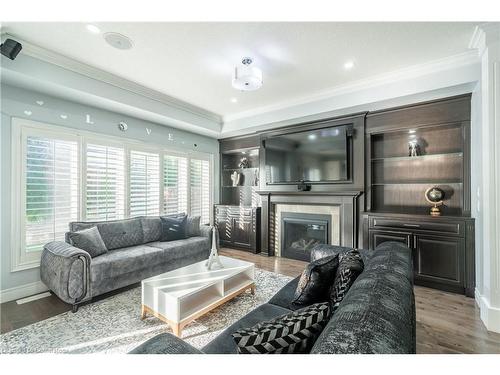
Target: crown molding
78,67
415,71
483,34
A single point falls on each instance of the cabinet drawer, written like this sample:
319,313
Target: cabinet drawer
451,228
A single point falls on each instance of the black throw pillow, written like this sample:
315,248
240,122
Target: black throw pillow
294,332
316,281
350,266
173,228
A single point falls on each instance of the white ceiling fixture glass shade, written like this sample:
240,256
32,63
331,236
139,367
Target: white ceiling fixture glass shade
247,77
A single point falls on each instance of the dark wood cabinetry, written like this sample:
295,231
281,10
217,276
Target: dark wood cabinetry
238,215
396,209
239,227
442,247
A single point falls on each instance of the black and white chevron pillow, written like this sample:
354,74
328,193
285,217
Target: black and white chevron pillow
350,266
295,332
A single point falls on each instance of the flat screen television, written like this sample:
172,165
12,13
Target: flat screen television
313,156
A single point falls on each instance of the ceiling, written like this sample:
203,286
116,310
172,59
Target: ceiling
193,62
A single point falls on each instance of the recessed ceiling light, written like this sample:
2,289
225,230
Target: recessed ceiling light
233,100
348,65
93,29
63,116
312,137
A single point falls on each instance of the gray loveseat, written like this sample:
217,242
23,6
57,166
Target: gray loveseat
376,316
135,252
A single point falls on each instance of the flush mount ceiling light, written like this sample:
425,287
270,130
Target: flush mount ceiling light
118,40
247,77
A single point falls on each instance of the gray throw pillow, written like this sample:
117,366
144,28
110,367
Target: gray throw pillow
173,228
89,240
316,281
193,226
294,332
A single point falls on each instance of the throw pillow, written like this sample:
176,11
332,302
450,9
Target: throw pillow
173,228
295,332
350,266
316,281
193,226
89,240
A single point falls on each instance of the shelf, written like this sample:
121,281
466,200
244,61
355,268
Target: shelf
239,169
240,186
420,157
419,183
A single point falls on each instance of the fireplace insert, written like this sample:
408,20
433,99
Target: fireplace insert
301,232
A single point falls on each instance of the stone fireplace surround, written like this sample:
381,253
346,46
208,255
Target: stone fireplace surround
342,206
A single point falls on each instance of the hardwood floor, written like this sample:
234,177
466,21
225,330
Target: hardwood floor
446,322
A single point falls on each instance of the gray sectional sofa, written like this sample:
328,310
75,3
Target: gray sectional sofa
135,252
376,316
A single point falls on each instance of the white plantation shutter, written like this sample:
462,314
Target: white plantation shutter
175,184
199,172
144,183
52,194
104,183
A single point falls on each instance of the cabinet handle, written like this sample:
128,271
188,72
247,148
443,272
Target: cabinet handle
412,225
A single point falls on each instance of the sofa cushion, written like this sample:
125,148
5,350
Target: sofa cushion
350,266
128,259
394,257
315,281
294,332
89,240
285,295
193,226
165,343
377,316
121,233
183,248
151,228
224,343
173,228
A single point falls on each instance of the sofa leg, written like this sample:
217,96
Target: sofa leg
74,309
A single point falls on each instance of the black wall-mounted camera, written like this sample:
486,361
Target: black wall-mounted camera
302,186
10,48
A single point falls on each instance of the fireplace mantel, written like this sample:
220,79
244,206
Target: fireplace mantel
347,201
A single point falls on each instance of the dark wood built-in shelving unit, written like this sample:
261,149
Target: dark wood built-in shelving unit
396,208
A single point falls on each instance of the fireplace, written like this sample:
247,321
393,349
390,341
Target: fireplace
300,232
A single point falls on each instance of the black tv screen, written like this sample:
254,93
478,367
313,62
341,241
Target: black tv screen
311,156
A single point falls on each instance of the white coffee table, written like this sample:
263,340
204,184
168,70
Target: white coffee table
178,297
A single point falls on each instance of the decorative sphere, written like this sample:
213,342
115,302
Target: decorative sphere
435,195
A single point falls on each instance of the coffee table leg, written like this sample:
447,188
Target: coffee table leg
252,289
177,329
143,312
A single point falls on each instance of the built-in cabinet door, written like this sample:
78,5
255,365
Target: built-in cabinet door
378,237
242,231
439,259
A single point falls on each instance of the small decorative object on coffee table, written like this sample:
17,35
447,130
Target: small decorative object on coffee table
434,196
214,255
180,296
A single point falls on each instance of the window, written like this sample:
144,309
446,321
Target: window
49,181
144,183
105,183
175,184
199,171
61,175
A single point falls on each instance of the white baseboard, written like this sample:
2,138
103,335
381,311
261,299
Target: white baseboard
489,315
22,291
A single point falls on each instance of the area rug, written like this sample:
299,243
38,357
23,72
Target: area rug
113,325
